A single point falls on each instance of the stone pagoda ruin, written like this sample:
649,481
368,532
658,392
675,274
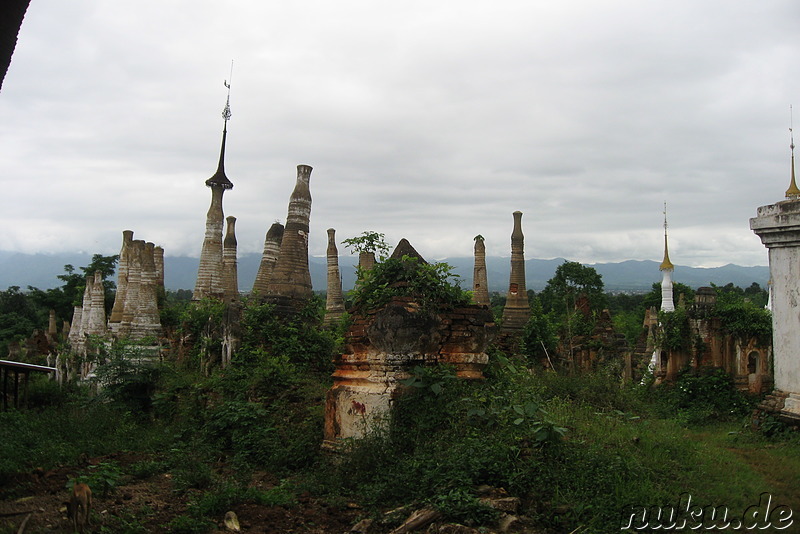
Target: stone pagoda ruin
229,262
140,281
272,249
517,311
211,276
289,283
385,343
480,282
334,302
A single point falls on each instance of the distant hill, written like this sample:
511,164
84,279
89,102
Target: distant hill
41,270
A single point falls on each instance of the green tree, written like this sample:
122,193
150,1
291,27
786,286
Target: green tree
369,241
539,340
572,280
70,294
19,316
757,295
742,317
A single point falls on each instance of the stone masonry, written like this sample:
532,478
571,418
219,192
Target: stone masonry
381,347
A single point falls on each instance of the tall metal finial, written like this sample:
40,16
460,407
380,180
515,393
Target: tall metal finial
793,193
665,218
219,179
226,113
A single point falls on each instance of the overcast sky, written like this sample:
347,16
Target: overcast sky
432,121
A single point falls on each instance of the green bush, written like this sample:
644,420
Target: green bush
703,396
429,284
225,496
129,377
461,506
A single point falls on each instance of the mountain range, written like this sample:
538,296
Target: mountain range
41,270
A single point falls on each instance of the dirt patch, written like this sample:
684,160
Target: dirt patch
149,504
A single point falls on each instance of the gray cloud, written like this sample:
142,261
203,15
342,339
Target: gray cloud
430,122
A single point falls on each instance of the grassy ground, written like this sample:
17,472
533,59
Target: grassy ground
576,450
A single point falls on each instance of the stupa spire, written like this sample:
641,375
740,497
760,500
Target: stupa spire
666,267
219,179
666,264
793,192
210,274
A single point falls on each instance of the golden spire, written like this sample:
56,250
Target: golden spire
793,193
666,265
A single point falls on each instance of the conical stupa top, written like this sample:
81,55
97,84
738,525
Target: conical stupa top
666,265
793,192
219,179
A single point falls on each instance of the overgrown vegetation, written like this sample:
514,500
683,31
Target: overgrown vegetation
577,449
432,285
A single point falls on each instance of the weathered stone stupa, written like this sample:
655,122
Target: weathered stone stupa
229,261
146,321
139,283
89,319
517,311
115,319
480,282
96,324
131,302
210,276
75,336
272,249
158,258
291,277
334,303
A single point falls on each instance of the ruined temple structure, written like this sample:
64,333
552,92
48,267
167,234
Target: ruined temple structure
334,302
480,282
517,311
747,361
140,281
290,283
272,249
210,274
778,226
382,345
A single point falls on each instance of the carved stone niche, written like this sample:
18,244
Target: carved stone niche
381,348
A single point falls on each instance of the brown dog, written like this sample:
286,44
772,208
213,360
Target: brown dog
80,504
